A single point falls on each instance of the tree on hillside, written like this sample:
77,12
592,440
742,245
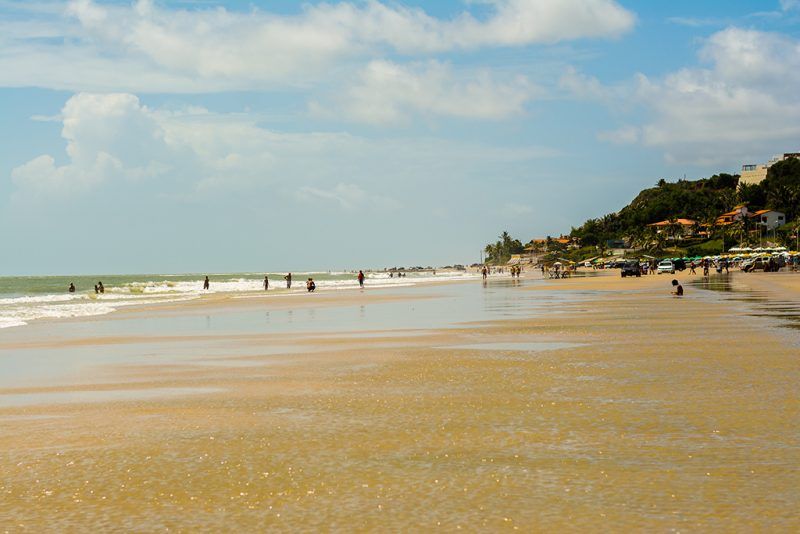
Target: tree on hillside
709,222
501,251
752,195
674,228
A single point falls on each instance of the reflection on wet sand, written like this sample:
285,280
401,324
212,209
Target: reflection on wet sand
641,415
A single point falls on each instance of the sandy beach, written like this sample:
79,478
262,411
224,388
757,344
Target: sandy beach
587,404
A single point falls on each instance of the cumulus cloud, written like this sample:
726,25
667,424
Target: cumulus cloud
107,136
388,92
114,142
744,105
150,48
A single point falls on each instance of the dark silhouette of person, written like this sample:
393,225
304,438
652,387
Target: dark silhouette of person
100,287
678,289
96,289
206,283
288,279
71,287
310,285
361,278
266,283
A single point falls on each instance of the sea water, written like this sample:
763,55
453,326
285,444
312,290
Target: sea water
27,298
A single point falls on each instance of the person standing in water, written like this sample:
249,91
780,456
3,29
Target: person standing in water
288,279
206,283
100,287
96,289
71,287
485,272
266,282
361,279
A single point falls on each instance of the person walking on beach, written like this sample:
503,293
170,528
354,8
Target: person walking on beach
206,283
100,287
705,268
678,289
310,285
71,287
361,279
288,279
485,272
266,282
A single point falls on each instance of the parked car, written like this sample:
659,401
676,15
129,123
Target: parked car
753,264
666,266
631,268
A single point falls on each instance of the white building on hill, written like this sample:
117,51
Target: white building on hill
755,174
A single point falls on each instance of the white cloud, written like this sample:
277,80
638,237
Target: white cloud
116,143
744,106
108,136
583,86
149,48
388,92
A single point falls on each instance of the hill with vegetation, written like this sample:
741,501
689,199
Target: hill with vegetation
701,200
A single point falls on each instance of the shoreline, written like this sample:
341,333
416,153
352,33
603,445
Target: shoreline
212,298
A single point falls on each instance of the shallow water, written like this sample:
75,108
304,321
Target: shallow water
191,333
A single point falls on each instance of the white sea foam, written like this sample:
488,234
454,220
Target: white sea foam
20,310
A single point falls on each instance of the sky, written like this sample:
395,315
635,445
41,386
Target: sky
158,136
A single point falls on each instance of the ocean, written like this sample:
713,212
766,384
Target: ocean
29,298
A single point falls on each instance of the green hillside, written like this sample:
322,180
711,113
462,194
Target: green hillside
700,200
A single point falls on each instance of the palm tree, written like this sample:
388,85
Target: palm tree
739,227
674,228
650,237
661,241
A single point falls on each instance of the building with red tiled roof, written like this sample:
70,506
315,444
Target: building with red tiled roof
685,227
769,218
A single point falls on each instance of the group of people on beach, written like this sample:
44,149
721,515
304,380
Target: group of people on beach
721,265
311,286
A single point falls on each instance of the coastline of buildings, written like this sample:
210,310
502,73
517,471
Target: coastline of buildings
676,230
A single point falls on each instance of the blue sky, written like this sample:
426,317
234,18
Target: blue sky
175,136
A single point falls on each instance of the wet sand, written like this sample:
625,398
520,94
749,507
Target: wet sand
616,407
